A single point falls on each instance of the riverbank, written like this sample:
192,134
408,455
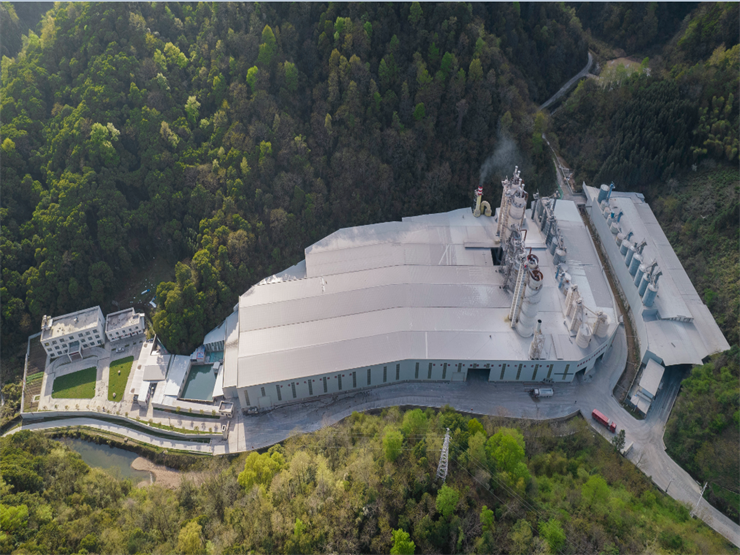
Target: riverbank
164,476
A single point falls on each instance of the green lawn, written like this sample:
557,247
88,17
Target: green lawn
78,385
116,383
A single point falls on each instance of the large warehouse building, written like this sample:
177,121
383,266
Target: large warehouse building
516,297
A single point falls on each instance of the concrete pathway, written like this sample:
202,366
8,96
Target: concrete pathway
565,88
143,437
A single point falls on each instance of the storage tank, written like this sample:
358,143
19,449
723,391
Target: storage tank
641,269
603,192
541,207
636,261
601,328
614,228
528,313
606,211
624,246
553,245
559,256
620,239
650,293
629,255
643,284
565,283
584,336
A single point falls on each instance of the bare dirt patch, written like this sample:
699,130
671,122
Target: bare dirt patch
164,476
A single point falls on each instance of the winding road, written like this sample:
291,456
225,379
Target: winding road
565,88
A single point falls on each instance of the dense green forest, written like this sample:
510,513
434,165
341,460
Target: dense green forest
681,108
365,485
232,136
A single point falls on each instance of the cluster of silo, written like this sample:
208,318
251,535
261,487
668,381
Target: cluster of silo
644,275
576,319
525,303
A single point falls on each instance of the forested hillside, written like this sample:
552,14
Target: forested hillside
231,136
650,125
366,485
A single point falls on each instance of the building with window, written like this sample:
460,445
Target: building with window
123,324
519,296
71,333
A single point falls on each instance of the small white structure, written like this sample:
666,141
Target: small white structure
649,386
70,333
123,324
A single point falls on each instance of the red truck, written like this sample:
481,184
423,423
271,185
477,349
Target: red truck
604,421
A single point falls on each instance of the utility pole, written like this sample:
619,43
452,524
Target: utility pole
701,496
442,468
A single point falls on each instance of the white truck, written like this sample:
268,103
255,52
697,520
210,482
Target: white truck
542,392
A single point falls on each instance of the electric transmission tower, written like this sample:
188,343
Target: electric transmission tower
442,468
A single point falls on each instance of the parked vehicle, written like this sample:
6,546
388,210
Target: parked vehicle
604,421
542,392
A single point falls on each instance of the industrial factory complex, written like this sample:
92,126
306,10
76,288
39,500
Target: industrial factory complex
519,295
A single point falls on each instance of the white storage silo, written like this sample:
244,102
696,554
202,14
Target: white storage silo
650,293
601,328
584,336
636,261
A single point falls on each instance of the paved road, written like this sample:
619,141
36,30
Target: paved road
565,88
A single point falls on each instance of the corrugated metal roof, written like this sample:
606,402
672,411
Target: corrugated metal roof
674,341
397,291
651,376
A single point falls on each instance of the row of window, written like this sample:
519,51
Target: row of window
126,331
86,336
564,375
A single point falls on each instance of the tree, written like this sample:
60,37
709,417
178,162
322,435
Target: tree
618,441
447,499
291,76
259,469
595,490
392,443
414,423
190,540
402,544
252,73
419,112
487,518
520,538
553,534
415,13
268,48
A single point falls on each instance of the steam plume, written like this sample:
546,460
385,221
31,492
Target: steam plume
504,157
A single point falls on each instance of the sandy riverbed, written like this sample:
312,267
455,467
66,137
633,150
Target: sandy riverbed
164,476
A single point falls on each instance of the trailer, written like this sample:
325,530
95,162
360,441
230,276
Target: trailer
604,421
542,392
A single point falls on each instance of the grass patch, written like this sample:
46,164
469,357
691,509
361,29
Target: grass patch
78,385
35,377
116,382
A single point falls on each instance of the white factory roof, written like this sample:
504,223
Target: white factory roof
123,319
423,288
669,335
156,362
651,376
81,320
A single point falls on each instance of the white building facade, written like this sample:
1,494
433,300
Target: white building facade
70,333
123,324
431,298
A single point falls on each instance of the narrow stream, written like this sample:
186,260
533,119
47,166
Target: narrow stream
114,460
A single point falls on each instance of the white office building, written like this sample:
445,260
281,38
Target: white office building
123,324
70,333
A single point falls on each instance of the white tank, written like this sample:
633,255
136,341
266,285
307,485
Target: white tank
530,305
629,255
620,238
641,269
624,246
584,336
650,293
601,327
553,245
644,282
570,296
606,210
559,257
603,192
635,264
577,318
614,228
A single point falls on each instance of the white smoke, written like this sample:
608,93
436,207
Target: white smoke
503,159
